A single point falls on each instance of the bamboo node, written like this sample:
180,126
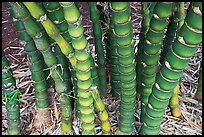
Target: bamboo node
5,69
77,23
197,11
70,55
22,42
42,18
192,29
156,16
38,35
93,88
15,19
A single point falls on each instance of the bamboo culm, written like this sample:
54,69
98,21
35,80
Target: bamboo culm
147,11
189,36
122,29
43,45
11,94
152,49
56,15
97,32
85,82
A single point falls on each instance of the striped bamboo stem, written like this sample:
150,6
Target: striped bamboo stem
175,23
152,48
147,10
122,29
56,15
189,36
144,28
85,84
11,94
113,55
42,44
37,66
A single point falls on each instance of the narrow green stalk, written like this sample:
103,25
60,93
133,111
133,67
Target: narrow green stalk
181,13
189,36
11,95
97,32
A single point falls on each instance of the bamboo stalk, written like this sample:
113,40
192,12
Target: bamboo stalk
43,45
84,84
122,29
190,35
12,97
97,31
151,49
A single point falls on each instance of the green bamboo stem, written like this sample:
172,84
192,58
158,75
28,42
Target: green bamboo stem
43,45
147,9
83,74
122,29
56,15
175,22
97,32
37,67
189,36
11,94
85,83
51,30
113,56
152,48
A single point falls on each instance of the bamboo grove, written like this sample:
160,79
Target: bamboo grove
59,56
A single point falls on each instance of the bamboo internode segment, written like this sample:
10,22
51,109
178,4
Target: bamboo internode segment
174,63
